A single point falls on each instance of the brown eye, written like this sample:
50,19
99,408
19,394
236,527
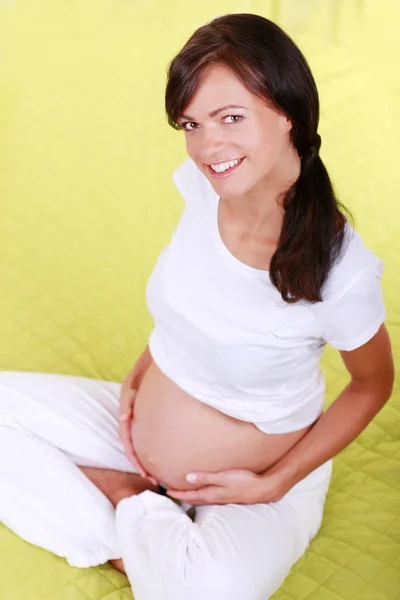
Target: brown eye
236,117
188,123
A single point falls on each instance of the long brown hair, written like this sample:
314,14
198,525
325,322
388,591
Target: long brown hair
272,67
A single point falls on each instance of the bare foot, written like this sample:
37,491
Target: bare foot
118,564
117,485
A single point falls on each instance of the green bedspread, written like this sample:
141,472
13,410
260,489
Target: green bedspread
87,200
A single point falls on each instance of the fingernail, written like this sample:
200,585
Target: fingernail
124,418
191,477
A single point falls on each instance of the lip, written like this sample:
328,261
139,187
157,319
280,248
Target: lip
224,173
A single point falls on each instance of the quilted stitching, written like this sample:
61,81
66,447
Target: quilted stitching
80,232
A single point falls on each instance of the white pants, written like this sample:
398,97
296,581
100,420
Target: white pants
50,423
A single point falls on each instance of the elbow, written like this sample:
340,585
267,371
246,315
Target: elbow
377,389
388,381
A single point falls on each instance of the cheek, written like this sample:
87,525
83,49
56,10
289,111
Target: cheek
257,141
194,151
260,149
189,146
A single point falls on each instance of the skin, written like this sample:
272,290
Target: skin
117,485
371,371
250,215
175,434
250,220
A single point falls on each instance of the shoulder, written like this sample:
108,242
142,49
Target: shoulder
192,184
356,263
353,306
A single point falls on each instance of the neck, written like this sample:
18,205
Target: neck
261,208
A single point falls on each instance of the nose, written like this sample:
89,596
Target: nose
213,142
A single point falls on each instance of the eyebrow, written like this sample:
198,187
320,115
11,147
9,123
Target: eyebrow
214,113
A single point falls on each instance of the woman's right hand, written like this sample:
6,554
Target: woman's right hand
129,390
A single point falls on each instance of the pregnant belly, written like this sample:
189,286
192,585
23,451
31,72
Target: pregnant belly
175,434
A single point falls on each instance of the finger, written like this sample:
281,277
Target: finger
126,402
129,448
126,438
190,497
207,478
132,456
125,418
141,470
125,434
201,496
153,480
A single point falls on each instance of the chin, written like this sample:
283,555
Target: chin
237,191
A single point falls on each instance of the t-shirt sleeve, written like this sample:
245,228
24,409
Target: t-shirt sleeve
353,319
192,185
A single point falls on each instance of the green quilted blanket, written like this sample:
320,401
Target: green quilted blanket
86,159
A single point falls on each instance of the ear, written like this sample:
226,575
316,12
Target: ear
285,123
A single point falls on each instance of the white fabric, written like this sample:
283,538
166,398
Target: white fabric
49,423
223,333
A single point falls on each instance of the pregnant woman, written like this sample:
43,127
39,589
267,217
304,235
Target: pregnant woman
224,409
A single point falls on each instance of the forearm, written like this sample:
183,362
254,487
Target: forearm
338,426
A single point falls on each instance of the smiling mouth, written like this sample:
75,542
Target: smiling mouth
226,171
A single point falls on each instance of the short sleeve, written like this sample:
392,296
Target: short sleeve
192,184
356,316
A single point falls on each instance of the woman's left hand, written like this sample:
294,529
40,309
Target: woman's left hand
235,486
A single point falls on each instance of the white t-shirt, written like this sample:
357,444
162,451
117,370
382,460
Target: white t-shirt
223,333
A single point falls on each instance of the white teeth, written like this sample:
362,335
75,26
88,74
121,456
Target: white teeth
221,167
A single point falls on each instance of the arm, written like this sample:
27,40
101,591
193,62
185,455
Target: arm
372,375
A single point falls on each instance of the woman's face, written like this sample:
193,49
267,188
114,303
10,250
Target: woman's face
249,131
